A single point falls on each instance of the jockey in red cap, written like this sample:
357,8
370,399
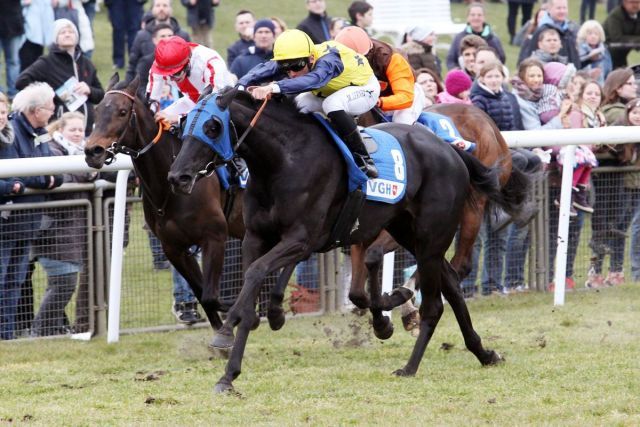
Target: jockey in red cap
189,66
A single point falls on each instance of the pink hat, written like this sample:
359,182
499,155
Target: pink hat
456,82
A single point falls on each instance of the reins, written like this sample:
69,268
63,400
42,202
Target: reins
252,123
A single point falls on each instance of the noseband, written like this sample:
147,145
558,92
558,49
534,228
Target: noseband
117,146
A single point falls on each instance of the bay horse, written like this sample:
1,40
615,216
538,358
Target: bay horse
492,150
124,123
296,190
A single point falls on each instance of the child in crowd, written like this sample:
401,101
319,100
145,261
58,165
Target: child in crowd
457,86
584,114
594,55
489,95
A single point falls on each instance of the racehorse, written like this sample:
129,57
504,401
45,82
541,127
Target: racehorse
296,192
491,149
125,124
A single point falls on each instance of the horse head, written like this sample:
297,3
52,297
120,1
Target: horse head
207,140
115,122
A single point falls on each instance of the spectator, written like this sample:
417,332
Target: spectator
361,14
317,23
262,51
38,30
161,13
280,25
631,157
161,31
61,246
185,304
549,47
430,83
400,97
201,17
524,34
187,66
555,17
11,31
485,55
82,23
244,27
125,17
623,26
457,89
419,48
620,87
63,62
514,5
337,24
469,45
89,7
32,108
584,5
594,55
477,26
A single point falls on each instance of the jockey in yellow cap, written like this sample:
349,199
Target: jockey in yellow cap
328,77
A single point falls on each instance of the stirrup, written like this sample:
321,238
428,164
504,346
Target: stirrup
366,165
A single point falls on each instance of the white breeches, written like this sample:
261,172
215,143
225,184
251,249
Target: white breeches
355,100
409,115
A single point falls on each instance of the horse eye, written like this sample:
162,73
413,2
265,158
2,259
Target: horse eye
123,112
212,128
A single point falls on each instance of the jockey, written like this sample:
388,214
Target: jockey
188,66
399,93
328,77
444,128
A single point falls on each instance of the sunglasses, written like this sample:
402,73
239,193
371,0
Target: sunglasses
296,65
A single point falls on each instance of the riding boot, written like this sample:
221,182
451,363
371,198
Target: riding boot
348,131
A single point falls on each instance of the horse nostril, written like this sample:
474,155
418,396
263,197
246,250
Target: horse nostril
184,179
94,151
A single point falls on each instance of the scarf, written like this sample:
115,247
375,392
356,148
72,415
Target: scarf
71,148
6,134
524,91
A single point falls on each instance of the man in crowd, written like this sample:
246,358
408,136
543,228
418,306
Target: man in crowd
125,17
623,26
201,17
317,24
161,12
361,14
11,31
262,51
556,17
244,27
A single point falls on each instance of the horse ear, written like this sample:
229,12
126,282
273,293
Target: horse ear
113,80
133,86
225,96
207,91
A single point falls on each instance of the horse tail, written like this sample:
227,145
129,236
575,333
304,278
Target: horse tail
515,192
484,180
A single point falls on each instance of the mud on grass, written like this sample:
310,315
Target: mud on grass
573,365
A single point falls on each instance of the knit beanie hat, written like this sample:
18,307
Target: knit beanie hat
264,23
59,24
419,33
457,81
558,74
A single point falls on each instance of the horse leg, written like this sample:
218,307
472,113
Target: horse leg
382,326
431,309
469,228
357,293
188,267
275,313
213,250
472,340
408,311
286,253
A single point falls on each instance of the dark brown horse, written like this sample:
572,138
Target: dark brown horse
491,149
296,192
125,124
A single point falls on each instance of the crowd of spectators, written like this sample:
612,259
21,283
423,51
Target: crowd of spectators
568,76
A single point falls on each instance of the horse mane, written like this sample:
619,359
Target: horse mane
280,106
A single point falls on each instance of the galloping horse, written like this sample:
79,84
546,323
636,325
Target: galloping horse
296,192
125,124
515,184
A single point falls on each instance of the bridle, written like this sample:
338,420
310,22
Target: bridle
117,146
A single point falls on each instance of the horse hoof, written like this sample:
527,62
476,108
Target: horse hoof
399,296
276,318
383,329
495,358
223,388
402,373
222,340
411,321
219,353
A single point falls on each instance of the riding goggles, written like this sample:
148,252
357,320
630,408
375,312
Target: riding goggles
293,65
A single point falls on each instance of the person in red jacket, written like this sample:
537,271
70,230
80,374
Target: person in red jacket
400,97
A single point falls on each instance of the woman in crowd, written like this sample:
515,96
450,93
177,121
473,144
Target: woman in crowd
430,83
631,157
61,247
66,65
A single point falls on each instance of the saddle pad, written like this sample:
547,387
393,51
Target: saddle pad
390,186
